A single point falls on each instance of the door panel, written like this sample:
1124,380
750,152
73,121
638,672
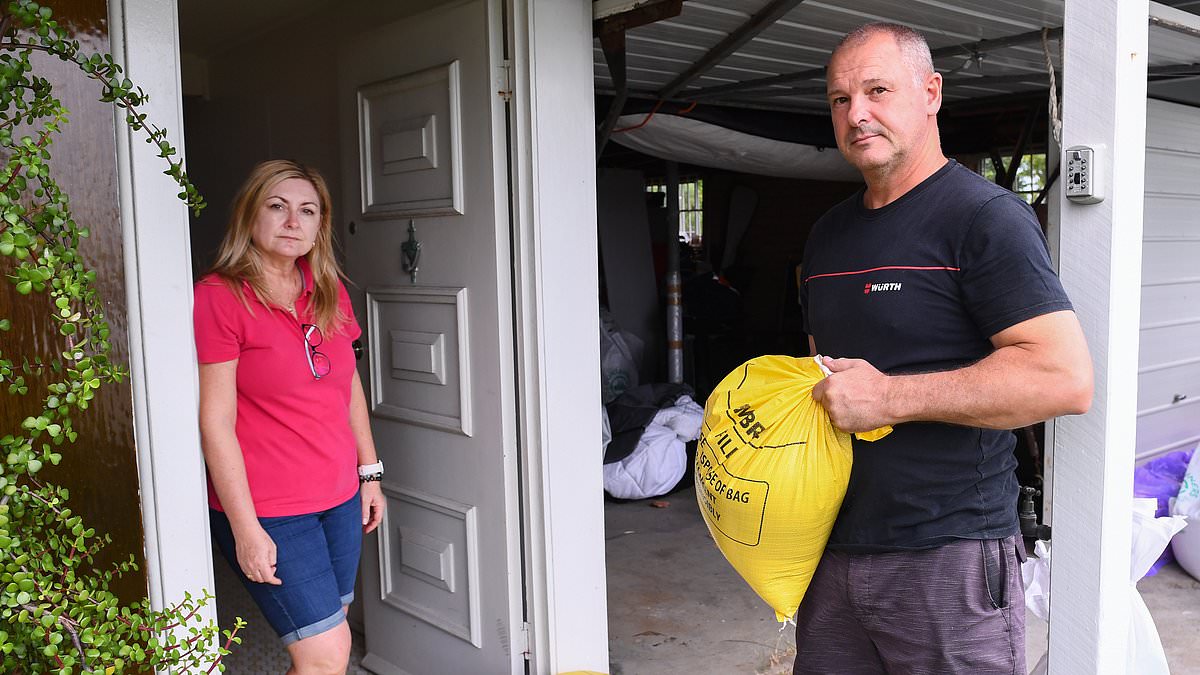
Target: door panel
424,153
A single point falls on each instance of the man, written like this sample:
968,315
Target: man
935,289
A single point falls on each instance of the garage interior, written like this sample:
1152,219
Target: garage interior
752,70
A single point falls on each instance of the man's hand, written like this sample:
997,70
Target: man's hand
855,395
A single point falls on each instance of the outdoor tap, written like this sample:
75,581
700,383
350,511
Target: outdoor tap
1027,515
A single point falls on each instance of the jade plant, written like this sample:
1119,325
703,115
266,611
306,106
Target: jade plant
57,613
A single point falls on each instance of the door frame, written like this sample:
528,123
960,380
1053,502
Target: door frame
164,379
555,290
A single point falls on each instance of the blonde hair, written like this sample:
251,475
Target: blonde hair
238,260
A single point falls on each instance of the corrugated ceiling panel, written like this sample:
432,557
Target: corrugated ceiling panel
638,44
800,49
776,61
802,40
1020,15
744,7
686,33
709,16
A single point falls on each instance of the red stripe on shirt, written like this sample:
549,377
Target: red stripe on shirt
877,269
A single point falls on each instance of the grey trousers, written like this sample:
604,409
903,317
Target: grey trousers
958,608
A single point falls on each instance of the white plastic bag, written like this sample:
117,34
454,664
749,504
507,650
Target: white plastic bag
620,356
1035,574
605,430
1150,536
1145,654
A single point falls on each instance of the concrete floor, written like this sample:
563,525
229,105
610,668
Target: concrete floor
676,606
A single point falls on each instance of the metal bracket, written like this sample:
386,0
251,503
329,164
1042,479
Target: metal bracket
412,252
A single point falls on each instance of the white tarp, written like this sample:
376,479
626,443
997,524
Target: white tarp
660,460
691,141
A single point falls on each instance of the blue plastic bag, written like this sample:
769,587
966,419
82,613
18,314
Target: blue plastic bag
1160,478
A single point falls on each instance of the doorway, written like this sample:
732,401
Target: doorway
393,103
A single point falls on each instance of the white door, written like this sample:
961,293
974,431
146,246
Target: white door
423,132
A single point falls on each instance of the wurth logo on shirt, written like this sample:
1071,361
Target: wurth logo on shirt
879,288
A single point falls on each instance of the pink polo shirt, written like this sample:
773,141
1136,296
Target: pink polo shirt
294,430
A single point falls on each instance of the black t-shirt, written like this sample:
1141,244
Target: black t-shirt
920,285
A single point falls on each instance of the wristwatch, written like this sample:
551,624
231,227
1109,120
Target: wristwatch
370,472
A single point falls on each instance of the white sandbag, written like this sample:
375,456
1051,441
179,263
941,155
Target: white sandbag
1186,544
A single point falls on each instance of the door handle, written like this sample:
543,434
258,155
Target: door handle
412,251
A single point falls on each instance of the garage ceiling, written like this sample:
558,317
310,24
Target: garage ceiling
985,48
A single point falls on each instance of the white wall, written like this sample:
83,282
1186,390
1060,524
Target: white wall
1169,353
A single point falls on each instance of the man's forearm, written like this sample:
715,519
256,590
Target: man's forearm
1006,390
1039,369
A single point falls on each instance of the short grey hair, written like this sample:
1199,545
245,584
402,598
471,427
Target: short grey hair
912,45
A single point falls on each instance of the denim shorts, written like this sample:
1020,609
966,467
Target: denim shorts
316,558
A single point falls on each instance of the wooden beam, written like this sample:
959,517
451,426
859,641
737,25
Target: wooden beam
1183,70
998,166
639,15
1041,197
756,24
1105,52
613,45
1014,164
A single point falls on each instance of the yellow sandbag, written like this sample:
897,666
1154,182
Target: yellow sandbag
771,472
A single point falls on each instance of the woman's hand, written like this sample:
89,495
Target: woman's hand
256,555
372,506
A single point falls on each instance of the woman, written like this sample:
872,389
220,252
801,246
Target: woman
283,418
